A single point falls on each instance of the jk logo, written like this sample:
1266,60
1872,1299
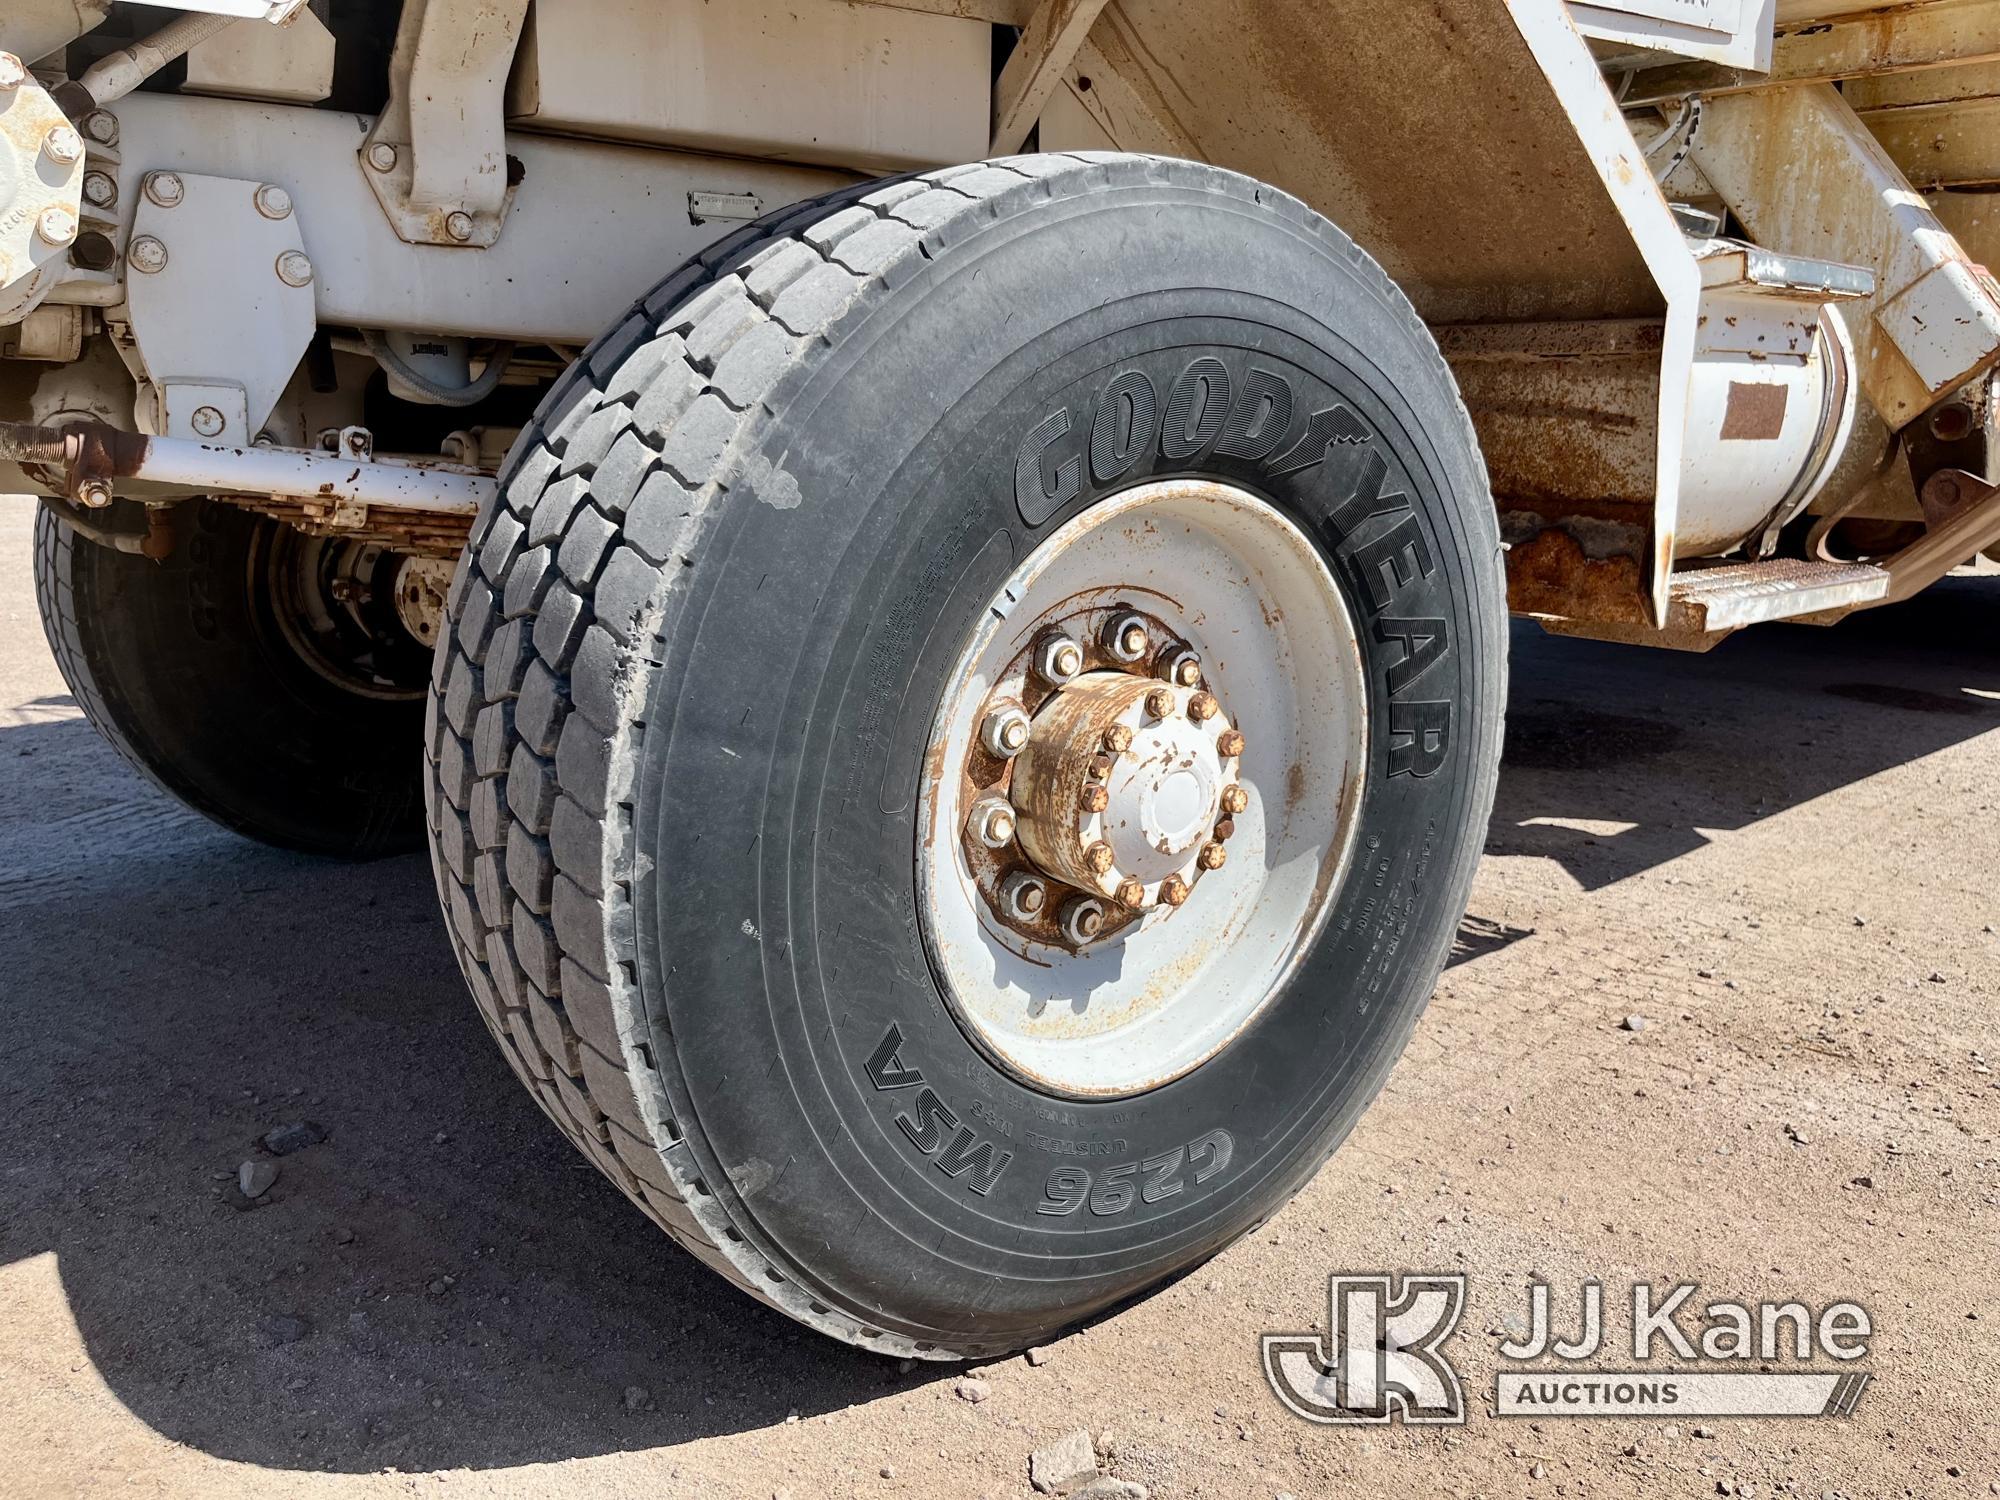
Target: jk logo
1381,1355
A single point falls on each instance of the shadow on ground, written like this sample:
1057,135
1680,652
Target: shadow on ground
442,1282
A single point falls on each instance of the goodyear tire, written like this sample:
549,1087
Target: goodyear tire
700,725
228,678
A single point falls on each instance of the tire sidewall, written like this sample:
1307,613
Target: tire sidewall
826,1089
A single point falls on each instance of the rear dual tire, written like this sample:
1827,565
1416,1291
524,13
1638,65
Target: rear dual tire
682,724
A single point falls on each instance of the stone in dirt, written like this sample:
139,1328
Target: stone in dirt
1634,1023
1108,1488
1066,1462
296,1136
970,1388
255,1178
1040,1355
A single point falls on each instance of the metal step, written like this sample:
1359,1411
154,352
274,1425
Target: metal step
1706,600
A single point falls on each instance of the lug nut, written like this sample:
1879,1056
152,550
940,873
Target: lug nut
93,494
1212,857
1024,897
12,74
1225,830
1083,920
1182,667
165,188
100,189
1125,638
147,254
1098,859
1231,744
992,822
1132,894
56,225
1235,800
294,269
1202,707
1059,660
1118,739
1160,703
1095,799
1005,731
272,201
102,127
64,146
1174,891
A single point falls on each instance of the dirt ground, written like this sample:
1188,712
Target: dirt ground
1781,856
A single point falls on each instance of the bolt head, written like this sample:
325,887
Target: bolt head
1126,638
294,269
1181,667
1132,894
1024,896
63,145
1202,707
382,157
1098,859
12,74
100,189
1005,731
101,126
1059,660
1231,744
1160,703
458,224
1095,799
1083,920
993,823
93,494
273,202
1235,800
207,421
1212,857
1118,739
1174,891
56,225
1225,830
147,254
165,188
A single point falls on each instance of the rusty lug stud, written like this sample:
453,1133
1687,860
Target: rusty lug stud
1181,667
1132,894
1095,799
1118,739
1083,920
992,822
1098,859
1202,707
1174,891
1126,640
1225,830
1212,857
1160,703
1235,800
1005,731
1024,897
1059,660
1231,744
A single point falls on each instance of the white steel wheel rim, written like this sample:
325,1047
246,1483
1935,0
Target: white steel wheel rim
1238,582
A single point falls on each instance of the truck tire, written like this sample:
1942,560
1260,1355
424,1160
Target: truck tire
711,723
210,673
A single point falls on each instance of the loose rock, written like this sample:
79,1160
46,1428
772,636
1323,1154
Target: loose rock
1634,1023
293,1137
1040,1355
1068,1461
1107,1488
255,1178
969,1388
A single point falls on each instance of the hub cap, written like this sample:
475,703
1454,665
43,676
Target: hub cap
1148,759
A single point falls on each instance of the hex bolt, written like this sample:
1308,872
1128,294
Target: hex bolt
1024,897
208,421
1125,638
1202,707
273,202
1132,894
1118,739
458,224
382,157
146,254
1098,859
1174,891
1225,830
165,188
1083,920
1235,800
100,189
1160,703
1005,731
294,269
992,822
1182,667
1095,799
56,225
64,146
12,74
93,494
1058,660
102,127
1212,857
1230,744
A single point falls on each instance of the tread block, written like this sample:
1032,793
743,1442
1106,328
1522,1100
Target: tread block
531,789
552,512
531,868
539,711
576,839
583,764
582,551
624,469
624,593
558,630
535,951
588,1003
658,519
693,450
809,303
